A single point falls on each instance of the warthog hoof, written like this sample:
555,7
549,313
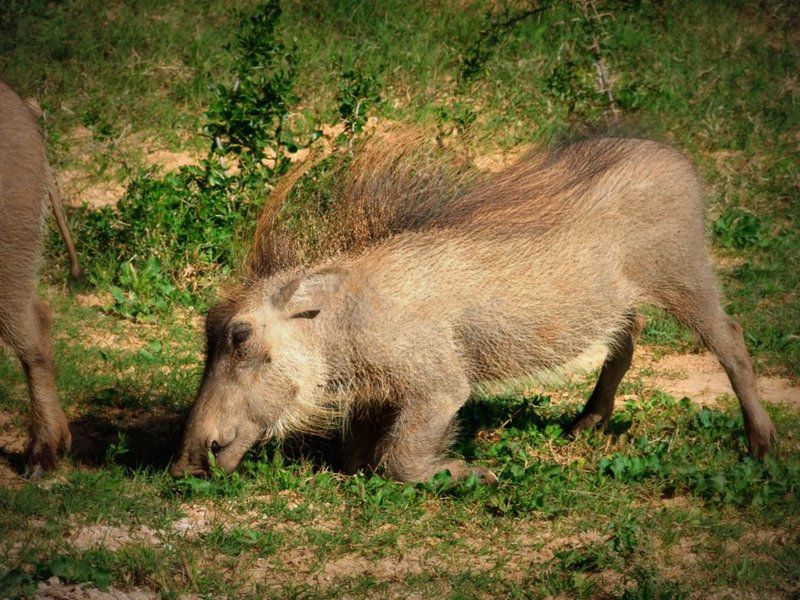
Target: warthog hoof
761,434
460,470
47,445
587,421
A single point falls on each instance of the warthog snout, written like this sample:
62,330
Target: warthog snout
222,446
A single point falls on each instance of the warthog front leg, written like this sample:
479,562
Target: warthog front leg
601,403
414,447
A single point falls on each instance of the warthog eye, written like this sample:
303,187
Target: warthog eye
240,333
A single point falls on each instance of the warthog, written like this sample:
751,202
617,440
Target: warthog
25,180
432,280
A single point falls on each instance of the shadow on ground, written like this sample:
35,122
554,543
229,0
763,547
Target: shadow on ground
149,438
135,439
480,416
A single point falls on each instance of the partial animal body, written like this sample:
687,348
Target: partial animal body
529,271
25,181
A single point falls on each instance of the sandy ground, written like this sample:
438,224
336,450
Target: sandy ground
54,589
701,378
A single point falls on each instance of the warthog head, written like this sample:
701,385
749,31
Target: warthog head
264,373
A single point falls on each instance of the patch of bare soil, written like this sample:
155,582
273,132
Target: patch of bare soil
13,443
169,160
701,378
754,539
54,589
198,520
9,477
111,538
93,300
687,561
497,161
78,186
98,338
12,437
478,552
82,182
300,564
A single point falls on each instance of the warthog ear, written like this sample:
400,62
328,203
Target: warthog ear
305,297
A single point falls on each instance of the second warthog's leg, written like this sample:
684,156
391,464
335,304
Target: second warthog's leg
414,447
601,403
28,333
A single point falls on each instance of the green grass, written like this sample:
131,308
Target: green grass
595,517
669,506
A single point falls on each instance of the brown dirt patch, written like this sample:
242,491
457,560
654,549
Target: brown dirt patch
754,539
54,589
93,300
13,437
497,161
77,186
111,538
169,160
198,520
9,478
701,378
94,338
83,181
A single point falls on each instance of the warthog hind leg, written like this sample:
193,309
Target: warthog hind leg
699,308
598,409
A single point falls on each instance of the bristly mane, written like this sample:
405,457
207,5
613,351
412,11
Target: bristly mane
401,181
393,182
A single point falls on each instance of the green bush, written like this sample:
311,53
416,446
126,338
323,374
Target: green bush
168,234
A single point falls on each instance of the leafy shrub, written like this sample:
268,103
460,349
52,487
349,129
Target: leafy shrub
248,117
169,233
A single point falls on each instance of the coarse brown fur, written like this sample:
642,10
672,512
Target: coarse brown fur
25,180
425,278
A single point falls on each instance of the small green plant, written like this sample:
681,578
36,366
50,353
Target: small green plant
237,540
739,229
141,292
117,449
377,492
358,91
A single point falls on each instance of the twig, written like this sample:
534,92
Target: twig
599,63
